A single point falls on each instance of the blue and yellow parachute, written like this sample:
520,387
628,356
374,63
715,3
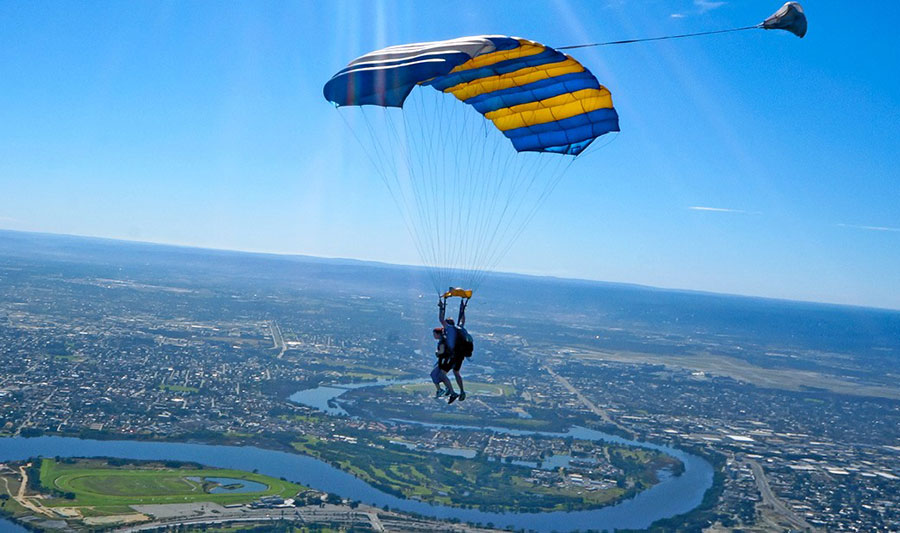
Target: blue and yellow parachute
464,193
541,99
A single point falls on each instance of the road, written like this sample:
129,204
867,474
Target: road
27,420
375,521
277,338
23,500
587,403
769,498
362,516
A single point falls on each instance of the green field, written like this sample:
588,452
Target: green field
475,391
110,488
472,388
457,481
350,368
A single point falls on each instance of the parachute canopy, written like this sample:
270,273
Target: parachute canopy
789,18
539,98
470,136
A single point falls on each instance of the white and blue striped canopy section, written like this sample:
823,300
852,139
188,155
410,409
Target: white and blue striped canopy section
541,99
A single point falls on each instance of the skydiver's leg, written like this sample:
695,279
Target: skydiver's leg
447,383
436,377
459,380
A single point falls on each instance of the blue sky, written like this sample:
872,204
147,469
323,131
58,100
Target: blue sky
202,123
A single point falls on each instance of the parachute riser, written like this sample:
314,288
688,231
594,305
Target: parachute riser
464,296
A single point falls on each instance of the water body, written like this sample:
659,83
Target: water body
671,496
457,452
551,462
325,398
229,485
8,526
674,495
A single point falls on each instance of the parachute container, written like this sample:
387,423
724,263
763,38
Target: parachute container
470,135
789,17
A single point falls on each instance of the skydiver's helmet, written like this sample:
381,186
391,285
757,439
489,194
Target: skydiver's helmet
449,321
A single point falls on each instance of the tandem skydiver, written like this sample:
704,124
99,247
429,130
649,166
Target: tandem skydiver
457,344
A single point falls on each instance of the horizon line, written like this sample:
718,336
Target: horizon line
498,272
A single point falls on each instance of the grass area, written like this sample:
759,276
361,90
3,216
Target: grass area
310,418
524,423
370,403
109,489
351,368
365,376
237,435
472,389
9,485
590,498
106,510
455,418
793,379
450,480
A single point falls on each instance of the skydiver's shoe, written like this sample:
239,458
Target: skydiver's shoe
462,396
439,393
453,397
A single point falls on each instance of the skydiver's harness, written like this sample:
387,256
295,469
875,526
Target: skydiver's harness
460,318
444,356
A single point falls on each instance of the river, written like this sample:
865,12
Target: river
8,526
673,495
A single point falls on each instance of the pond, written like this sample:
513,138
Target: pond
228,485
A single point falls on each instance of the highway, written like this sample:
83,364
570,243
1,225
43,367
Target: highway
587,403
360,517
769,498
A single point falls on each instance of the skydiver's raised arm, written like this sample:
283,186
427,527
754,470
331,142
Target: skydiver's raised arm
461,319
442,306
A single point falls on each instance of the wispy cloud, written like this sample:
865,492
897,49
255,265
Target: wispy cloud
722,210
677,15
870,228
707,5
9,219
